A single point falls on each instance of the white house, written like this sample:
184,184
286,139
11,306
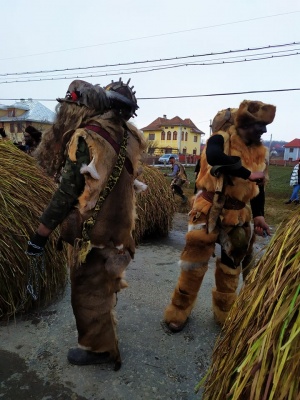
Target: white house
292,150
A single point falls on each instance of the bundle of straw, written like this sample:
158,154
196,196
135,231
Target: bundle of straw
24,193
257,354
155,207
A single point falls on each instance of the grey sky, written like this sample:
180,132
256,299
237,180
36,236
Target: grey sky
52,35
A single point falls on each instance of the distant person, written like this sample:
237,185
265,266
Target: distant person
295,182
179,178
196,172
32,138
3,134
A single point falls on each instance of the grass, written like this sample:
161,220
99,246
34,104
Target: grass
278,191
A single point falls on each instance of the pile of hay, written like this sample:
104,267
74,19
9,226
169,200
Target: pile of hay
155,207
257,354
24,193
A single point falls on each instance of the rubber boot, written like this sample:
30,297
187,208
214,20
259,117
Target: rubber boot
224,294
184,298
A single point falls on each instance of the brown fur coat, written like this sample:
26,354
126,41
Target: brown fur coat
116,219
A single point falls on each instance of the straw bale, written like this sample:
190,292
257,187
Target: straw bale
24,193
155,207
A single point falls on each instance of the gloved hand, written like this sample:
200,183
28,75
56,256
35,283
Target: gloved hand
36,245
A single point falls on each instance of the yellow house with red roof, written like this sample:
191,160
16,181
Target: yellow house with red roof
174,135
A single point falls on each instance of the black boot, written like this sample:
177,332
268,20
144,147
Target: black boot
288,202
296,201
79,356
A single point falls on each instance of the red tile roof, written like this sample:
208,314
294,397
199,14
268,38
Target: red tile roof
293,143
159,122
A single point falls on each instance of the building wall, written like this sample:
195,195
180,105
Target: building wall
291,153
179,138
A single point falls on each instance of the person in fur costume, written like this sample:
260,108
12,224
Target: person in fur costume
232,175
94,153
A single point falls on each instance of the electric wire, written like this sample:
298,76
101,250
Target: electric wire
187,96
153,61
205,62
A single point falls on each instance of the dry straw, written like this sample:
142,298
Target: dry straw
155,207
24,193
257,354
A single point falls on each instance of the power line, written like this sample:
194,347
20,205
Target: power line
219,94
147,70
205,62
152,36
191,96
154,60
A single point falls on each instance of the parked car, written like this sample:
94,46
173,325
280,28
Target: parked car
166,158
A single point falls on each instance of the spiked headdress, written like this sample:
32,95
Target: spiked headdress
122,98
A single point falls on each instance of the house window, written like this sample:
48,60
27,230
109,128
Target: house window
291,150
19,126
12,127
186,136
195,138
11,112
169,135
182,136
184,151
174,135
195,151
163,136
151,136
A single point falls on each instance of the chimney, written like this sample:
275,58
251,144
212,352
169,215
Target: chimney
164,116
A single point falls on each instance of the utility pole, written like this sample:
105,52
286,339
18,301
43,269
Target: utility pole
270,148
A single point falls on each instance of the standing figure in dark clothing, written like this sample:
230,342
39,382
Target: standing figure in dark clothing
196,171
94,152
179,178
232,174
32,138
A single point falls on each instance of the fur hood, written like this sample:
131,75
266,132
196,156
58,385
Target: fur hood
251,112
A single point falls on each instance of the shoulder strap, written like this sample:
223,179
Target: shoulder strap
102,132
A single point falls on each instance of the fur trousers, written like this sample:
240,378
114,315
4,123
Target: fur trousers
199,248
94,286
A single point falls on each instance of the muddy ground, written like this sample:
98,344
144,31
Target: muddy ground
156,363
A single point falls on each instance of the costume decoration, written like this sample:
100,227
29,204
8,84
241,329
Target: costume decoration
122,97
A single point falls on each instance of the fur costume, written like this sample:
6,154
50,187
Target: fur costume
233,231
112,242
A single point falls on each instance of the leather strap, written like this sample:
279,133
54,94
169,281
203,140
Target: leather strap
102,132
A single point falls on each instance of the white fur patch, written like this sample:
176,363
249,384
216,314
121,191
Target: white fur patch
139,186
90,169
195,227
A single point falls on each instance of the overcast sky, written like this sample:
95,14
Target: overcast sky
71,34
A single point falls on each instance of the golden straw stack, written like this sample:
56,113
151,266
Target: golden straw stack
24,193
257,356
155,207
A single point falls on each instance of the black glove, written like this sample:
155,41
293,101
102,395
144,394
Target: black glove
36,245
